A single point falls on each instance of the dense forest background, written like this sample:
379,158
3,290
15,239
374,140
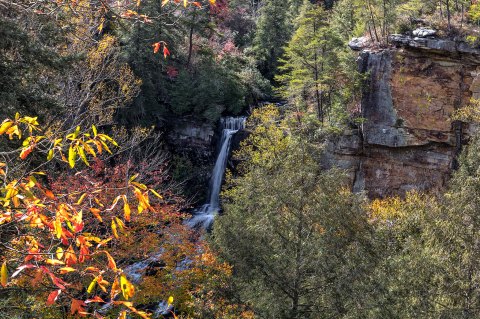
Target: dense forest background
94,197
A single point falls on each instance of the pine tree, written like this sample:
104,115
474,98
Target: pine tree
310,65
273,32
298,240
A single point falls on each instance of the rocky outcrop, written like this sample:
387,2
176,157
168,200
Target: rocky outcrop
407,139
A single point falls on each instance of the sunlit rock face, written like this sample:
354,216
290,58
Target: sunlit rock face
407,140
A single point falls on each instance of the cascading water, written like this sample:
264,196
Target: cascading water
204,216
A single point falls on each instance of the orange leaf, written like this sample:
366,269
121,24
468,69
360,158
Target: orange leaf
95,212
195,3
78,306
94,299
111,261
26,151
49,194
52,297
70,257
156,47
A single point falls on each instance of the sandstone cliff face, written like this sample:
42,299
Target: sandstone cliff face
407,140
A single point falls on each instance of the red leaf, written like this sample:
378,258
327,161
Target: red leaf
19,269
165,51
52,297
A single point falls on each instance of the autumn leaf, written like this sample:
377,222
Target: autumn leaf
165,51
3,274
185,3
196,3
26,151
50,155
52,297
114,229
54,262
71,156
19,269
94,299
111,261
96,213
59,253
156,47
77,306
164,2
65,270
128,290
5,126
92,286
126,209
58,228
170,300
212,2
49,194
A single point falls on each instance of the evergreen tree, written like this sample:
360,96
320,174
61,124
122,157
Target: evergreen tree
273,32
297,238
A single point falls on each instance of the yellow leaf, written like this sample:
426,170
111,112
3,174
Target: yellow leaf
81,153
65,270
128,290
94,129
170,300
3,274
50,155
156,194
126,208
212,2
54,262
57,224
5,126
80,200
114,229
185,3
121,225
164,2
59,253
91,286
71,156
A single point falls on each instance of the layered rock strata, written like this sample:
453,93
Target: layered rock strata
407,139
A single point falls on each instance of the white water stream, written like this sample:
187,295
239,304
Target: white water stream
204,216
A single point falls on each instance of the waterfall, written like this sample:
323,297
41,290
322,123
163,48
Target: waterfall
204,216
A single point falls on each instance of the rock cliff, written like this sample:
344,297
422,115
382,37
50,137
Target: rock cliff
407,139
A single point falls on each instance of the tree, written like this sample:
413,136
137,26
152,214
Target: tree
272,33
80,241
297,239
310,64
